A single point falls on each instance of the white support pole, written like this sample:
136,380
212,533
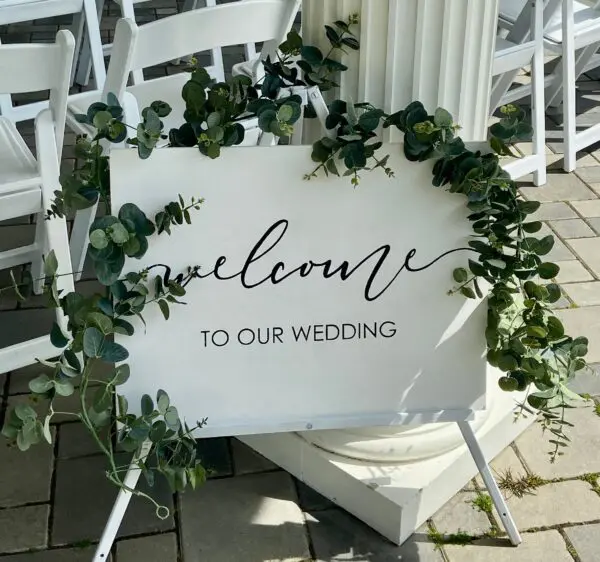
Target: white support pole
437,52
490,483
120,506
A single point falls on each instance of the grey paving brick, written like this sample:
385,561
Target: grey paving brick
336,535
572,228
16,236
595,224
23,528
215,456
587,381
588,249
587,208
584,294
460,515
543,546
560,187
589,175
84,498
254,517
248,461
55,555
580,456
578,503
554,211
559,252
310,499
572,271
36,464
74,440
586,540
18,326
584,321
155,548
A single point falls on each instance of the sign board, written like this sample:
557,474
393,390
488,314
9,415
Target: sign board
322,305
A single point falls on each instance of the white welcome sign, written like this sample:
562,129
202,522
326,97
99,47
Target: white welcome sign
321,305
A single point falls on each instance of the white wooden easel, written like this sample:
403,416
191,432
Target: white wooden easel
133,474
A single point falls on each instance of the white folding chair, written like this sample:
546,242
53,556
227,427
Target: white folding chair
574,34
27,185
216,68
84,11
137,47
509,57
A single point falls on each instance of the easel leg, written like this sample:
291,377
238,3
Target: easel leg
120,507
490,482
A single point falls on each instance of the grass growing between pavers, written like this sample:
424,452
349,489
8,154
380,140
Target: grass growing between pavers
483,503
522,485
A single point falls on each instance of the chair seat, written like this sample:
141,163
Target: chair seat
586,19
18,167
15,11
167,88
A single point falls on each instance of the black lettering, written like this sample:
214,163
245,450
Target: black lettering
277,333
344,326
337,332
225,341
318,331
387,333
302,331
251,336
273,236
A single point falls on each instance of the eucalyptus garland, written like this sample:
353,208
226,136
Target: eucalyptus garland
524,337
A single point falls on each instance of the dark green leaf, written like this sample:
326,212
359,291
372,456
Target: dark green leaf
57,336
93,342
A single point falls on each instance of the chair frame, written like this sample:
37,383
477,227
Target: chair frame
577,50
86,17
35,194
507,62
134,49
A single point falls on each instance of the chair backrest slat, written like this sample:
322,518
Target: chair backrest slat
39,67
250,21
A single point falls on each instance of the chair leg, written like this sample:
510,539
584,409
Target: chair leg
37,266
554,90
5,105
538,116
568,83
77,29
92,58
127,11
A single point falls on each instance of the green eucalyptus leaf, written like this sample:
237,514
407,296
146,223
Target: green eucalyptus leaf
101,321
460,275
57,337
147,405
93,342
41,384
548,270
98,239
64,387
118,233
442,118
113,352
